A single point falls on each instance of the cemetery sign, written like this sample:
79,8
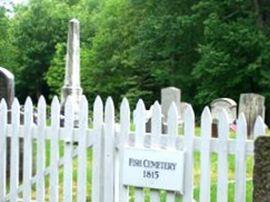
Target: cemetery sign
153,168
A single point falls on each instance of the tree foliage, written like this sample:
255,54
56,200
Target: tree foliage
133,48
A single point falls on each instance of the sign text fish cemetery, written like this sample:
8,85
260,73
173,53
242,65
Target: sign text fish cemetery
153,168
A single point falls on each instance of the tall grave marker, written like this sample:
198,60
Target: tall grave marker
252,105
72,84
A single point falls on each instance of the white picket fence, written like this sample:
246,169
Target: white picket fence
107,140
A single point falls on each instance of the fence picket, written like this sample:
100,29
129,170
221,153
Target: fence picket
189,127
14,160
155,137
3,148
259,128
54,172
240,160
68,163
139,138
82,155
97,163
109,151
27,154
206,123
124,132
223,132
172,132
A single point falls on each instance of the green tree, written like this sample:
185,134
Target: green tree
234,56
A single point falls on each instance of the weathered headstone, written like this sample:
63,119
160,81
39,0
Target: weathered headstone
261,171
72,84
7,92
217,105
252,105
168,96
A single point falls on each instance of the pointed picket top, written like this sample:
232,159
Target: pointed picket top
156,119
139,111
84,102
189,113
3,105
124,112
206,122
172,120
189,121
109,110
28,111
241,127
28,103
41,102
259,127
223,125
124,106
140,122
98,113
55,102
15,104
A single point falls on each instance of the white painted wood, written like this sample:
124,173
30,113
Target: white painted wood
54,158
189,127
82,155
205,183
259,128
223,131
155,140
124,132
240,160
139,138
3,147
172,133
107,172
27,154
109,151
68,164
14,161
97,163
41,149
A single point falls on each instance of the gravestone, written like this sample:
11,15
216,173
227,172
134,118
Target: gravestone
217,105
6,86
7,92
72,84
252,105
168,96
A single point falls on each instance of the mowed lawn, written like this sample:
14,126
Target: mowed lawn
196,171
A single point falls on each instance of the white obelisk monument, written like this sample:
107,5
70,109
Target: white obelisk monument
72,84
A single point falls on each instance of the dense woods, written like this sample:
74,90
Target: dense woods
133,48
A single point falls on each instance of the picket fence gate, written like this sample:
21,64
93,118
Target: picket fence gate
108,140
